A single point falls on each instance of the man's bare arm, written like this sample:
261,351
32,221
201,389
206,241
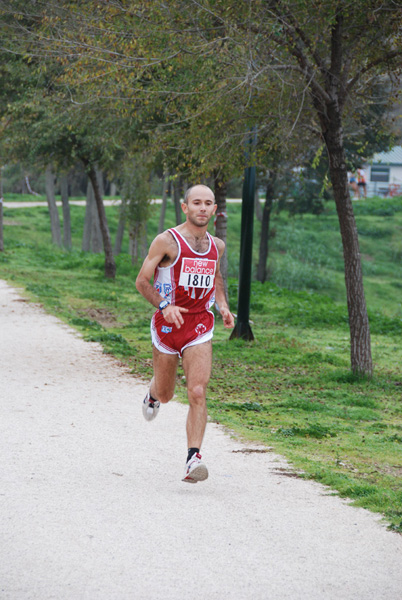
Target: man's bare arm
220,295
157,252
160,248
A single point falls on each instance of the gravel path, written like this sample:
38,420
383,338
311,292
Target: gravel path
92,506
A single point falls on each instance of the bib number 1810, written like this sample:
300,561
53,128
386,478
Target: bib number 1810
195,280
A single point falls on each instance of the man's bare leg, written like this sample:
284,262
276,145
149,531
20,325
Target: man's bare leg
162,384
164,379
197,365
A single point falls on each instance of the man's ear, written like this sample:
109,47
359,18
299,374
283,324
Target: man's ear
184,207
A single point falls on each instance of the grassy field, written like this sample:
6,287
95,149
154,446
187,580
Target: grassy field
291,388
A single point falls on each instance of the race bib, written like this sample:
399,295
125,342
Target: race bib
198,273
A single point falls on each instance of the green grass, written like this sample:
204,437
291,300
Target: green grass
10,197
291,388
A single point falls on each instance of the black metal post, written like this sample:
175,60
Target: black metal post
242,328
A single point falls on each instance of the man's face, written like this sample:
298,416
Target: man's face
200,206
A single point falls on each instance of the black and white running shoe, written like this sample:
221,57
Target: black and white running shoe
150,408
195,470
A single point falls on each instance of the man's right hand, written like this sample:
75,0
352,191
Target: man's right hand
172,314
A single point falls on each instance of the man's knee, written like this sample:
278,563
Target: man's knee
161,394
196,394
164,398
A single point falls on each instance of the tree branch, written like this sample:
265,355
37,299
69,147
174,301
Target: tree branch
304,38
336,49
295,35
382,59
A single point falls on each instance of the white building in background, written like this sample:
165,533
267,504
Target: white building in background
384,173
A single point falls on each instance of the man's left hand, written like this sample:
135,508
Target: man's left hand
227,317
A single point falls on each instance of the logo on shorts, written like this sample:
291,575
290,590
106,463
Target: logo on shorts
200,329
166,329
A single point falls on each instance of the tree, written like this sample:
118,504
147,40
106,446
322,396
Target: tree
1,210
66,211
92,235
43,127
13,76
136,200
265,223
110,264
165,186
51,202
332,67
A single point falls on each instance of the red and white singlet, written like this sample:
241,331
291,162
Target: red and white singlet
188,282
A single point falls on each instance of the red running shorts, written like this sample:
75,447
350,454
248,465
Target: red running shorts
167,338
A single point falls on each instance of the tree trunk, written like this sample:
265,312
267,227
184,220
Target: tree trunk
177,196
28,186
1,211
161,226
221,224
92,238
96,233
144,241
110,265
133,244
120,229
258,209
265,223
360,344
138,245
86,236
66,212
1,225
51,202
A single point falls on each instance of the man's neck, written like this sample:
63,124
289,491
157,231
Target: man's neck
195,236
188,229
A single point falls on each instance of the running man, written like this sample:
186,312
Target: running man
184,264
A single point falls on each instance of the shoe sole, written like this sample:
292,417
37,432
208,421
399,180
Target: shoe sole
147,416
199,473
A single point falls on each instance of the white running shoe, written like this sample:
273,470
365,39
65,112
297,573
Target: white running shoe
150,408
195,470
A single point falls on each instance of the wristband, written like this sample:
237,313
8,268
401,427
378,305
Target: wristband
163,305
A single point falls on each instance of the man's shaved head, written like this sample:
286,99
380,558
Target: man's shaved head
193,189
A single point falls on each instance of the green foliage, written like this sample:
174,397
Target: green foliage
42,289
113,343
316,431
85,324
379,207
135,189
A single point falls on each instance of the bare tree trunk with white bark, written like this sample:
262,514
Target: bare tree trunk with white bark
66,212
51,202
